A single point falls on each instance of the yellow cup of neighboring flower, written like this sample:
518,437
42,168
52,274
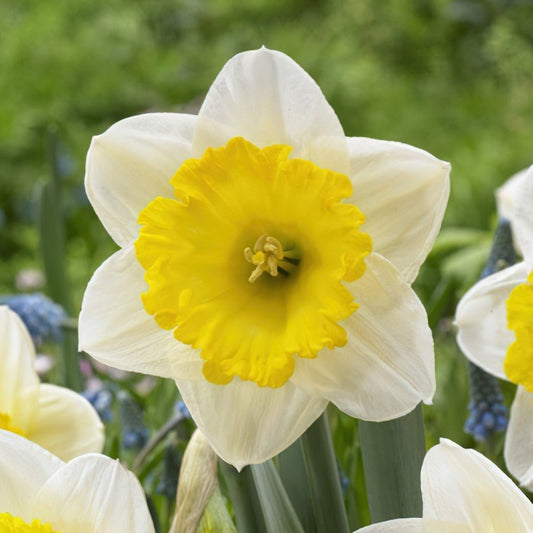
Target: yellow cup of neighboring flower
495,322
56,418
92,493
464,492
244,272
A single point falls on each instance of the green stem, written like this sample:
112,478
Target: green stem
278,511
393,452
323,478
243,495
293,474
155,440
71,367
52,240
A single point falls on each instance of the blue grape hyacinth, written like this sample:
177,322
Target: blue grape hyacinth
102,401
40,315
488,414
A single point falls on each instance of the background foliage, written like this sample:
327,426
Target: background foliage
452,77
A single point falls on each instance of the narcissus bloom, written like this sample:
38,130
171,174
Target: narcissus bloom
464,492
39,493
54,417
495,321
245,273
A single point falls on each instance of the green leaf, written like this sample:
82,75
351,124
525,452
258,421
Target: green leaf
53,244
293,474
278,513
393,452
216,518
323,478
244,498
52,240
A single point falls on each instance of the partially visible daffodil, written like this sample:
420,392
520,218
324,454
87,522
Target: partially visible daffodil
464,492
39,493
507,197
495,321
244,273
54,417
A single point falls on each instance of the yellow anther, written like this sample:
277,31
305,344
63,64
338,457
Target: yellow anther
268,254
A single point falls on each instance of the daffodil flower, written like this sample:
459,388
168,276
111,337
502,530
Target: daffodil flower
464,492
244,273
54,417
495,321
39,493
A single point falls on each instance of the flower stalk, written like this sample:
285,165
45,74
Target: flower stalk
393,453
243,495
278,511
323,478
293,474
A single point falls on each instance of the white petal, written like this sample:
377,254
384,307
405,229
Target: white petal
415,525
519,439
387,366
131,164
402,191
522,220
508,194
401,525
265,97
115,328
247,424
506,198
67,424
24,468
481,318
462,486
94,493
19,383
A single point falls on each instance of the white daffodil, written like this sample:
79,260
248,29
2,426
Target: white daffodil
495,321
242,262
464,492
56,418
92,493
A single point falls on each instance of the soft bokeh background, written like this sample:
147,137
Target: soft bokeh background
452,77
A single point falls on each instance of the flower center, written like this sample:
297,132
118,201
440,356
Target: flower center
5,423
307,243
518,364
268,256
14,524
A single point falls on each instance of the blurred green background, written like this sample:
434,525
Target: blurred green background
452,77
